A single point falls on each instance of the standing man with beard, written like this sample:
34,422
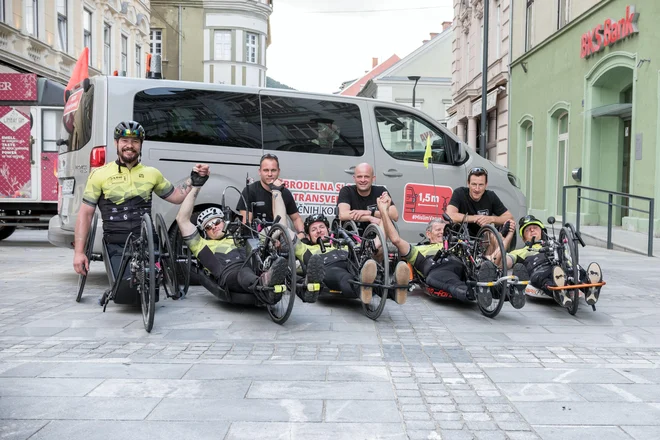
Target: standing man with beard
122,190
261,191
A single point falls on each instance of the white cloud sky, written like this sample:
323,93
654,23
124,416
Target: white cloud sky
315,48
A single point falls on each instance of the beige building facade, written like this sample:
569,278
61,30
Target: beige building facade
46,37
467,67
214,41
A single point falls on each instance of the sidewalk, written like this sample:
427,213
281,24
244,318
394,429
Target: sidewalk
622,240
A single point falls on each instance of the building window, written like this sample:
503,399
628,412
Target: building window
562,157
251,47
466,61
51,121
32,17
498,30
156,44
106,49
62,23
529,25
138,61
222,45
562,13
529,143
2,10
124,54
87,32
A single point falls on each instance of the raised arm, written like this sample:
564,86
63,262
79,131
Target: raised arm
198,176
183,216
384,203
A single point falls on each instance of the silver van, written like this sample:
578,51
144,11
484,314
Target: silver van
319,139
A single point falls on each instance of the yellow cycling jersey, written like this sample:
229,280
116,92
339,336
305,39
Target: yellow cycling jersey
124,195
196,244
419,253
522,253
304,251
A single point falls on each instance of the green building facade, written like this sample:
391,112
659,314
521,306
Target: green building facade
578,104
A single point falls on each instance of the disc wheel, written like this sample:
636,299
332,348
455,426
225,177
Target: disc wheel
379,294
167,259
488,239
146,272
569,263
89,247
182,260
279,244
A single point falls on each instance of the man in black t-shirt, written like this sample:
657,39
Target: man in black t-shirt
481,205
261,191
359,202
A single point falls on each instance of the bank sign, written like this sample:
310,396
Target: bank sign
608,33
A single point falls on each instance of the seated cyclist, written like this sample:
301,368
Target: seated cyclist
337,272
531,265
218,253
447,273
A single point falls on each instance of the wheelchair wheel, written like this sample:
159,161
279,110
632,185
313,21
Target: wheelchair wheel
569,263
488,237
89,247
182,260
146,272
281,311
167,259
375,308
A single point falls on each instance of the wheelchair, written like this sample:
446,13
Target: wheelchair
563,251
148,262
472,252
361,248
263,242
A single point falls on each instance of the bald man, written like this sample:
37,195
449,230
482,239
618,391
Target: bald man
359,202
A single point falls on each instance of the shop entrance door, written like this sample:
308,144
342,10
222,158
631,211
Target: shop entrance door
625,171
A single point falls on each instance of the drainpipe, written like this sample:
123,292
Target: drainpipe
180,42
508,98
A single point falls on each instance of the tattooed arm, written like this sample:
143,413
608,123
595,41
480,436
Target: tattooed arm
183,189
183,217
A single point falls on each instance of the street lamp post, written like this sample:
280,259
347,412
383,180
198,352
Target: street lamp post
412,127
484,85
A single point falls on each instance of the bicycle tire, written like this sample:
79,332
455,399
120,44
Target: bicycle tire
379,296
570,265
182,261
478,251
281,311
89,248
167,258
147,279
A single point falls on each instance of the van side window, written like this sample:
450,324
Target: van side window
77,126
312,126
49,120
404,136
192,116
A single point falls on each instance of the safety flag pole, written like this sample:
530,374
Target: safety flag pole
428,154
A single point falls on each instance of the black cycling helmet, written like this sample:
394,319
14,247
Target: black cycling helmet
315,218
129,129
530,220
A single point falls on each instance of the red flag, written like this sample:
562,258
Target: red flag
80,71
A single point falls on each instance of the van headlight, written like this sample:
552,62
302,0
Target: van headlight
513,179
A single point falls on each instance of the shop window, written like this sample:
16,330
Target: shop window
529,143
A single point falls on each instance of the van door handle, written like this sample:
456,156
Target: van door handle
392,173
350,171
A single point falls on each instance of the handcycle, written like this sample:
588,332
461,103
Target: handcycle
472,252
150,263
360,249
562,251
263,242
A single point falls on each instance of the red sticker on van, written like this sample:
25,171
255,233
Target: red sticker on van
425,202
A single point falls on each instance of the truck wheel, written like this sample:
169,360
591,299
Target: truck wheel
6,231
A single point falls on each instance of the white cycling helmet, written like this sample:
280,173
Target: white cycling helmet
207,215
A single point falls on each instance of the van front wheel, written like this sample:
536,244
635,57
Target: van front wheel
6,231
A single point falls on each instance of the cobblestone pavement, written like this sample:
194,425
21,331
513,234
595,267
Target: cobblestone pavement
429,369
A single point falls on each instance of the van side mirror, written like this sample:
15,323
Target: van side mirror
458,151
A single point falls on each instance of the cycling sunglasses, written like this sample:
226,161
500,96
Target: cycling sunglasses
212,223
479,171
527,219
127,132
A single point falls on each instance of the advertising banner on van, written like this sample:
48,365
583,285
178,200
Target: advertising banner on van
15,160
18,87
423,203
315,196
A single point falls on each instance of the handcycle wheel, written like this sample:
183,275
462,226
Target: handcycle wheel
89,247
379,295
349,225
486,236
576,240
146,272
569,263
182,260
281,311
167,259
